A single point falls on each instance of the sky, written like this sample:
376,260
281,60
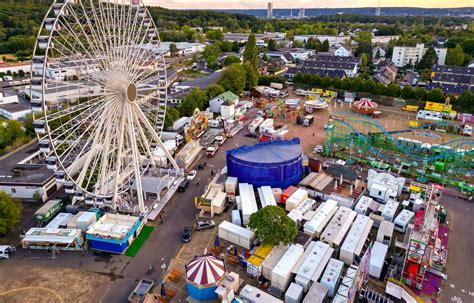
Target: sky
252,4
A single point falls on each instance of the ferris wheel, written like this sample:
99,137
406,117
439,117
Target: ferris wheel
98,94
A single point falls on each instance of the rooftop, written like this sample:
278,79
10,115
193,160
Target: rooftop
113,226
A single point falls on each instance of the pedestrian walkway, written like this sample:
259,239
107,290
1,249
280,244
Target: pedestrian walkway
164,200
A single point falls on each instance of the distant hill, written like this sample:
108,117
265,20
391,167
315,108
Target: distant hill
386,11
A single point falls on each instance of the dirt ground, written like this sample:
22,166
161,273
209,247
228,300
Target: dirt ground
42,284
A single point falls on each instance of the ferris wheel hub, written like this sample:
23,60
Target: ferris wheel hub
131,92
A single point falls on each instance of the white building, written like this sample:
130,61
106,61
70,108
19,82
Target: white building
301,53
224,104
57,92
14,67
343,51
184,48
404,55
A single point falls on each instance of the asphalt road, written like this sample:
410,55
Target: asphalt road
165,240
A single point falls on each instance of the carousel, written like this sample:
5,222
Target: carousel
203,275
364,106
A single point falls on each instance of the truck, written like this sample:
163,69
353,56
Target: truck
46,212
141,290
308,120
253,126
212,150
411,108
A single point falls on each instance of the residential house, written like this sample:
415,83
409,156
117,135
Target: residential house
184,48
382,52
386,74
224,104
452,79
405,55
343,51
284,56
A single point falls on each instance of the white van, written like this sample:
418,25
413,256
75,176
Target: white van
5,251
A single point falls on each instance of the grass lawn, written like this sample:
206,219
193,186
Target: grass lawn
192,73
139,241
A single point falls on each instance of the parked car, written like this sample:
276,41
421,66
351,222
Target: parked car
186,235
318,149
202,165
183,185
191,175
205,224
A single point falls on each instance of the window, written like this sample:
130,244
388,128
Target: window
13,191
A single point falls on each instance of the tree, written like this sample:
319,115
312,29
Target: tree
215,35
272,45
272,226
363,47
466,101
251,77
251,52
233,79
172,114
313,43
435,95
196,99
298,44
364,59
173,50
10,212
420,93
265,57
210,55
325,46
429,58
456,56
214,90
230,60
407,92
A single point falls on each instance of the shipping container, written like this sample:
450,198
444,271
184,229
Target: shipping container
255,261
282,273
236,217
377,259
272,260
249,203
338,227
385,233
266,196
294,294
310,267
46,212
295,199
356,239
277,194
332,276
322,216
287,193
236,234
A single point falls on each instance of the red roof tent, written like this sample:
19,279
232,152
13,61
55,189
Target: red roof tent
364,106
287,193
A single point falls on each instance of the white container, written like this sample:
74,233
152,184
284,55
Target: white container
403,219
298,213
385,233
272,260
318,293
277,194
236,217
377,259
295,199
267,124
236,234
390,209
253,126
254,295
311,266
332,275
318,222
362,207
266,196
282,272
338,227
231,186
249,203
355,240
60,221
294,294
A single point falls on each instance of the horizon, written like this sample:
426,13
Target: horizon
307,4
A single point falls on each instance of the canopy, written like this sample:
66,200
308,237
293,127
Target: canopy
364,106
205,270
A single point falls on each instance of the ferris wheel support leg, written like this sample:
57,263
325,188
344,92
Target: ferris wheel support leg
150,128
135,158
119,160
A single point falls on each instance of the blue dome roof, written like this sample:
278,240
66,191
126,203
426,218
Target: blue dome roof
270,152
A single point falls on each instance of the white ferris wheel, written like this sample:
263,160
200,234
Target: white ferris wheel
98,93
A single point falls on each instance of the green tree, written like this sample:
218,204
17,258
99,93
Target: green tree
272,45
173,50
435,95
272,226
214,90
429,58
466,102
363,47
215,35
265,57
233,79
10,212
407,92
419,93
196,99
210,55
364,59
230,60
172,114
251,77
298,44
251,51
325,46
456,56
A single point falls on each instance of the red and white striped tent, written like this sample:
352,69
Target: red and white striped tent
205,270
364,106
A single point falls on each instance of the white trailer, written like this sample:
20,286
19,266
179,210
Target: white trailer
318,222
231,186
364,205
355,240
294,294
266,125
235,215
255,295
338,227
318,293
272,260
390,209
253,126
332,275
382,193
343,200
283,272
295,199
249,203
403,219
377,259
385,233
236,234
266,196
311,266
298,213
60,221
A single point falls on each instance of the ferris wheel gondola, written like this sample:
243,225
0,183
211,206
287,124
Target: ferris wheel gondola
98,93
